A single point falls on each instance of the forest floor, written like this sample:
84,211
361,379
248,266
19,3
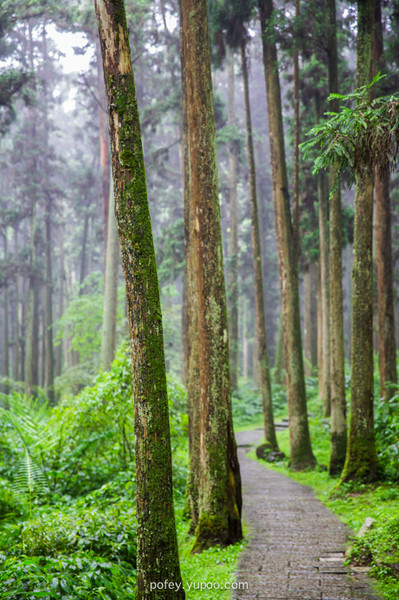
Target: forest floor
296,545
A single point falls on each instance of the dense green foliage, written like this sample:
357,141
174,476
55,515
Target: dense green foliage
67,495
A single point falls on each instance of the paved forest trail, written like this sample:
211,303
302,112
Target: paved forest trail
295,547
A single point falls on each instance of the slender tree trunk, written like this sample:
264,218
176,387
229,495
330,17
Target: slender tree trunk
157,554
48,311
245,350
310,317
386,313
233,241
31,327
301,451
104,150
61,350
338,400
220,485
296,142
261,338
193,374
83,256
108,341
361,457
18,319
324,373
6,321
279,358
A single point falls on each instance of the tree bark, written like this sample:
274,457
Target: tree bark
310,275
386,313
219,498
193,374
295,203
108,340
300,447
157,554
261,337
361,457
338,399
104,151
233,241
6,320
324,369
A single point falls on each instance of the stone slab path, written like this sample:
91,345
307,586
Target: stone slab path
295,548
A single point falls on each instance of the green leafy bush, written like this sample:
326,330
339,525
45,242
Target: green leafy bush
65,577
387,435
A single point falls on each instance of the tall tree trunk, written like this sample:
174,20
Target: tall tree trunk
324,365
17,375
233,241
338,399
83,256
324,372
300,447
61,349
219,484
261,338
104,150
193,372
31,327
279,358
108,340
157,554
310,275
361,457
295,203
48,311
386,313
6,320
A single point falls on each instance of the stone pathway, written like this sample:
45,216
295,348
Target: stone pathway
295,547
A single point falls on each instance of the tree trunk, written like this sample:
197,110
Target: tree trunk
17,375
104,151
386,313
261,338
310,317
279,358
324,372
361,457
193,373
300,447
108,340
48,310
61,349
6,321
233,241
295,203
83,256
157,554
220,485
338,399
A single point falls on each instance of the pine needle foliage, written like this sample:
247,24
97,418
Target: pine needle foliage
363,136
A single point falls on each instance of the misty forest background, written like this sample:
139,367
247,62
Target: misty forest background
67,469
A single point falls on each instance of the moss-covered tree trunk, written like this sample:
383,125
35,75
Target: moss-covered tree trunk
361,457
193,375
233,240
338,400
300,447
157,555
386,313
260,325
219,498
108,337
